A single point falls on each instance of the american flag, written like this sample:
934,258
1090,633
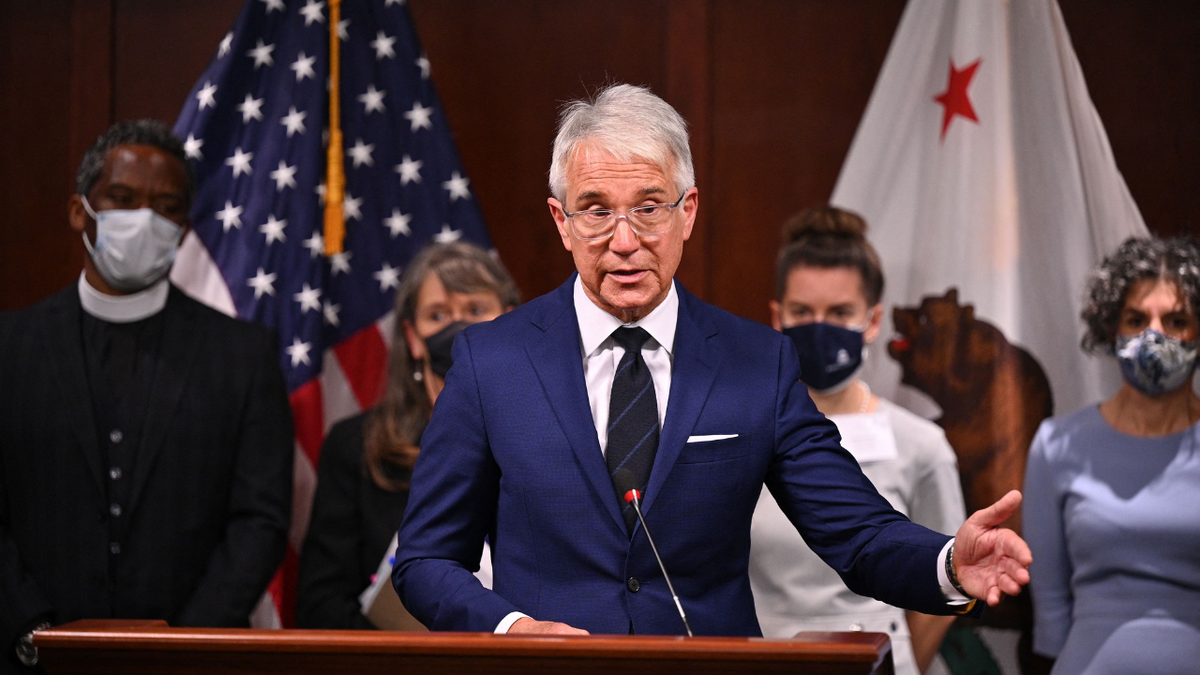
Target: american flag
255,129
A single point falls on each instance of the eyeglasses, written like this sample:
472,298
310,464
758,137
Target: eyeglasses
648,220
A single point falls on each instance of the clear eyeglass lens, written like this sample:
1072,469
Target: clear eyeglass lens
647,219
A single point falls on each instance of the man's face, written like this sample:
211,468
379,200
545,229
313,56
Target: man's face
626,274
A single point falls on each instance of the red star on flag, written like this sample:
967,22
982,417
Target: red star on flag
955,99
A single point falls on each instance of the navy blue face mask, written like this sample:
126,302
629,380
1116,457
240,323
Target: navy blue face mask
829,355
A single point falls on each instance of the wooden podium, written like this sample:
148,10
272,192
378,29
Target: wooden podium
145,647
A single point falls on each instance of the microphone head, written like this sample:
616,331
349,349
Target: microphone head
626,484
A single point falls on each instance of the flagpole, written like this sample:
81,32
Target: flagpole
335,177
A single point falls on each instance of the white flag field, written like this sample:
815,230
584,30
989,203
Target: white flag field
982,165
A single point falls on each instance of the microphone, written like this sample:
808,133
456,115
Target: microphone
624,478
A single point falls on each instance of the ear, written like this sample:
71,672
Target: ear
969,312
691,204
952,295
560,220
875,325
776,322
77,216
416,346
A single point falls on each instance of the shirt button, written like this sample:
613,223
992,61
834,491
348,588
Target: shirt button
115,510
633,585
115,473
114,548
115,436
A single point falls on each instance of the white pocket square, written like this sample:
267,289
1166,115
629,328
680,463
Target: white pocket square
710,437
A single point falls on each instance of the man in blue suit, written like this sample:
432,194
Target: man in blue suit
621,378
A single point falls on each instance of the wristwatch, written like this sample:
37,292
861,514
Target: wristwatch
26,652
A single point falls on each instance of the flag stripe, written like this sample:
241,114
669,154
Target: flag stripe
363,358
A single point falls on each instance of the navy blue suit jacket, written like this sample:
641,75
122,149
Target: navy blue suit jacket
511,452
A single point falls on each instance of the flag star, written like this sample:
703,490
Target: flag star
312,12
361,153
226,45
294,121
299,352
351,207
320,190
340,262
342,32
251,108
423,64
373,99
304,66
240,162
207,96
273,229
262,54
330,311
284,176
382,44
447,235
262,283
273,5
388,277
419,116
409,170
191,147
315,244
457,185
398,223
230,216
955,100
309,298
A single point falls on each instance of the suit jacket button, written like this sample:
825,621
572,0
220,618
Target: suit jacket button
633,585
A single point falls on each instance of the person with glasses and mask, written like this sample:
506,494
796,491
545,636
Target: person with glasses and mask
146,452
366,462
621,385
829,287
1113,490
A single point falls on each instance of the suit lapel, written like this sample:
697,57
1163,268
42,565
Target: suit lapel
180,337
66,339
555,355
695,365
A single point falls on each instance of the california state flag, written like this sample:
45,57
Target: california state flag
991,191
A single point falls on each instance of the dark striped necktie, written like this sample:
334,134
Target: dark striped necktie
632,417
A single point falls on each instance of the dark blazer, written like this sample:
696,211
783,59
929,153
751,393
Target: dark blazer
211,489
512,451
353,521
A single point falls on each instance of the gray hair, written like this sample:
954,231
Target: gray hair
629,122
135,132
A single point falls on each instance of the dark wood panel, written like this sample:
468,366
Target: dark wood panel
1142,65
160,48
790,82
39,253
502,71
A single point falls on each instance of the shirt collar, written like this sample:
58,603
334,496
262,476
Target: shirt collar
596,325
123,308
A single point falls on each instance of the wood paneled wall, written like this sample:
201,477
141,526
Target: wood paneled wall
773,91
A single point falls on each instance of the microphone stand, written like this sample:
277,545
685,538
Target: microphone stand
634,498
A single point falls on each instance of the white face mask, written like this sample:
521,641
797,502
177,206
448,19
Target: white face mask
134,247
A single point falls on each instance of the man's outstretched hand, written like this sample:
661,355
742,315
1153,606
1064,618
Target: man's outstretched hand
989,560
527,626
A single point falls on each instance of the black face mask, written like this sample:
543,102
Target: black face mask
439,347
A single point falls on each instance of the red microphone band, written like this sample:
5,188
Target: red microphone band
632,495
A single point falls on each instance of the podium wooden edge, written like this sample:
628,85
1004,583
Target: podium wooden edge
71,647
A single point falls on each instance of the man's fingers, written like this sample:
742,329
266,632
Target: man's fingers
527,626
998,512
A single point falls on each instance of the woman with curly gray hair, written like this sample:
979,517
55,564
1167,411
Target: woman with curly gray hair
1112,492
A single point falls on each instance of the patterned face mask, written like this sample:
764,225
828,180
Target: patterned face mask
1154,363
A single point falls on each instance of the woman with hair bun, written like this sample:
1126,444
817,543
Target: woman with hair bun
1112,492
829,284
366,461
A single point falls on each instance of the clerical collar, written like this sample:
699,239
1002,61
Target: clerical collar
123,308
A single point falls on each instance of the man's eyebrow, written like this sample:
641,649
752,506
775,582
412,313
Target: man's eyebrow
647,191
